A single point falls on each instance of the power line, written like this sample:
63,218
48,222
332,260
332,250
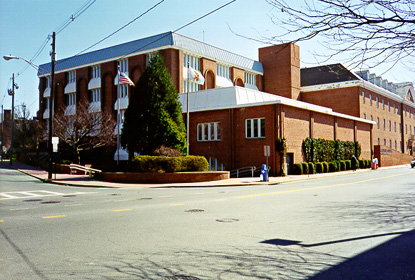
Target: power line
113,33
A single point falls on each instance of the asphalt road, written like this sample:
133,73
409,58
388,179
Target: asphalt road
359,226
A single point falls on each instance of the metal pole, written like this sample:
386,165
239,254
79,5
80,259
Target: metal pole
11,142
52,86
187,106
118,116
2,135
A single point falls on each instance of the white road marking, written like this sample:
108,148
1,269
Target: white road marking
36,193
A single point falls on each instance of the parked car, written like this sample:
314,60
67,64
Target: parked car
413,163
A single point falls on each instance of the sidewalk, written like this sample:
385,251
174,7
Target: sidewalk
85,181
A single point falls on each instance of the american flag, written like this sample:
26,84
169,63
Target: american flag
125,79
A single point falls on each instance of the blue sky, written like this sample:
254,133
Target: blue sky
25,25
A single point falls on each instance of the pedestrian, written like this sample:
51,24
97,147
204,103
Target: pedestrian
354,163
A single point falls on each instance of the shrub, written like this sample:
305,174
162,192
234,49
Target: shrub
333,166
311,168
298,169
342,165
167,152
325,167
162,164
319,167
348,164
305,167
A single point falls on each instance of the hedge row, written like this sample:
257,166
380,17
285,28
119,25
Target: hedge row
162,164
322,150
325,167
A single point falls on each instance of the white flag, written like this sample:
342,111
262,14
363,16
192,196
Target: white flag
196,76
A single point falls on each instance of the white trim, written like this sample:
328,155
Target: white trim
71,87
94,83
46,93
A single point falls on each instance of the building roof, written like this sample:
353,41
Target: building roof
153,43
238,97
326,74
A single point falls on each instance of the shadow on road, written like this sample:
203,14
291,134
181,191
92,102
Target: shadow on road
394,259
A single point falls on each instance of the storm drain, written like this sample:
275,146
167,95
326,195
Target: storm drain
180,277
32,200
195,210
50,202
226,220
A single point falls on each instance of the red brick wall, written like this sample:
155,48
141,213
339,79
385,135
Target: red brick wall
389,157
323,126
281,65
345,129
296,129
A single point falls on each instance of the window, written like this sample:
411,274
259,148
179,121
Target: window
378,141
371,118
383,104
384,142
394,109
215,164
396,145
377,122
394,125
255,128
389,106
71,99
406,129
377,102
96,72
123,91
194,62
390,144
250,78
384,124
363,97
370,98
390,126
223,71
96,95
71,77
364,115
123,65
208,131
48,81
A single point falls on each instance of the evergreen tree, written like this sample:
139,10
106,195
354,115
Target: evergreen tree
154,114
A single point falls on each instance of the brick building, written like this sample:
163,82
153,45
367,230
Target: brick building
244,104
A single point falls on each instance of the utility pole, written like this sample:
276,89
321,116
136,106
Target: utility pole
52,87
11,92
2,135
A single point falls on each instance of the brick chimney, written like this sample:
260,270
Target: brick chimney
281,65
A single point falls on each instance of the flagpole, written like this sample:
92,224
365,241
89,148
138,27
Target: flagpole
187,106
118,116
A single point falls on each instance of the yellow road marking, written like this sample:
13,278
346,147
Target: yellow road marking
177,204
121,210
220,199
323,187
51,217
1,221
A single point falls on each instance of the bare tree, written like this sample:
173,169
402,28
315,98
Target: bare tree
368,32
84,130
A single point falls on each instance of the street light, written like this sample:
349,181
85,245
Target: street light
53,54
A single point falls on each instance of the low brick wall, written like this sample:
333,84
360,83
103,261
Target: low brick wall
390,157
161,178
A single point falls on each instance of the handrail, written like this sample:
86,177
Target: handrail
244,170
83,168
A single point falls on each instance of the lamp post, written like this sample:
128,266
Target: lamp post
11,92
53,55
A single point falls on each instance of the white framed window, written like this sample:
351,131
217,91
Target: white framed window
71,77
370,99
377,102
364,115
208,131
48,81
215,164
250,78
255,128
71,99
223,71
123,63
194,62
377,122
96,71
363,97
96,95
123,91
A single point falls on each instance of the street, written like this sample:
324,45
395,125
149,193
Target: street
357,226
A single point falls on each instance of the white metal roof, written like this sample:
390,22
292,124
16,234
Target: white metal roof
238,97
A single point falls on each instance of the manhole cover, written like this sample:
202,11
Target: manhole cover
180,277
50,202
227,220
144,198
32,200
195,210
